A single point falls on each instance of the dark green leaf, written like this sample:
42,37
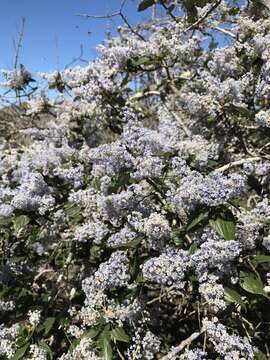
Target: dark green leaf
92,333
46,347
202,216
23,338
225,228
236,109
259,259
140,278
95,183
143,60
95,251
119,334
130,244
251,283
192,249
63,322
145,4
73,211
177,236
104,342
233,296
48,324
20,352
260,356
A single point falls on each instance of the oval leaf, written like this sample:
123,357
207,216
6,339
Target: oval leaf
224,228
119,334
145,4
251,283
259,259
20,352
104,342
202,216
48,324
260,356
20,222
232,296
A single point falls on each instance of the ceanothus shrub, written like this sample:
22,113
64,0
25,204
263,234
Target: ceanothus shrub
134,222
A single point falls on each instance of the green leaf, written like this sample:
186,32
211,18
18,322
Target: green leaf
48,324
233,296
145,4
73,211
119,334
260,356
193,248
251,283
46,347
64,322
104,342
92,333
20,222
143,60
95,251
140,278
95,183
236,109
23,338
259,259
20,352
177,236
129,244
225,228
202,216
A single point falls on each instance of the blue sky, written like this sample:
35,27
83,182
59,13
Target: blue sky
51,22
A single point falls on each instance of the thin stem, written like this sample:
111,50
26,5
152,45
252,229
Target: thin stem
201,19
182,345
116,13
19,44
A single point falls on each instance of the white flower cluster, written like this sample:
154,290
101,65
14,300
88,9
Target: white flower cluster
228,346
142,198
111,274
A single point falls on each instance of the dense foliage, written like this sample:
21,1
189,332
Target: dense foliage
134,221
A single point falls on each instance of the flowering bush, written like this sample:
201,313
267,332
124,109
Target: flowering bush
135,221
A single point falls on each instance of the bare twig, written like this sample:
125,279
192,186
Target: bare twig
224,31
159,298
130,27
183,344
120,13
78,58
201,19
19,44
144,94
42,272
180,121
169,12
108,16
239,162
